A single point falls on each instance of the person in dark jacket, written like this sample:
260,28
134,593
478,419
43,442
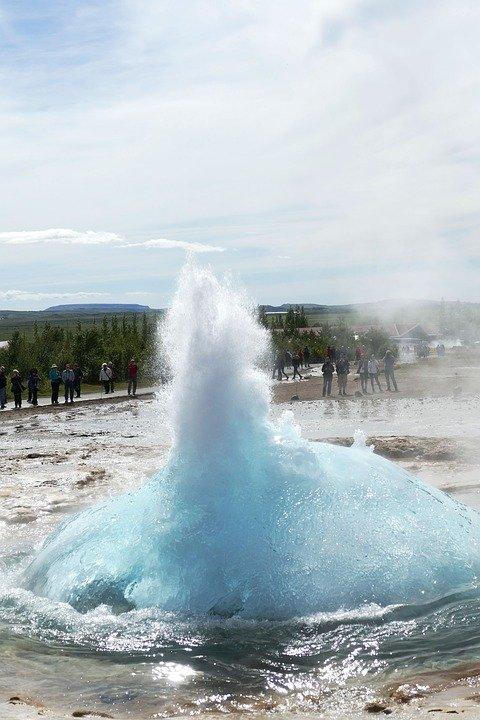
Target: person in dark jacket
17,388
33,381
327,372
306,356
68,378
77,381
389,365
55,380
113,376
296,361
3,388
343,368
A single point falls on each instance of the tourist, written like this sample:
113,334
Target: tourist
3,388
105,377
68,378
17,388
33,381
300,356
296,363
77,382
358,353
327,371
132,373
282,360
279,366
389,363
306,356
373,368
343,368
113,376
55,380
362,370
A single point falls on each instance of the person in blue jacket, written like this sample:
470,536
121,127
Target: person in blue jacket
55,380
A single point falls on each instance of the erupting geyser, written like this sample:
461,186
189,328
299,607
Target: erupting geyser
246,517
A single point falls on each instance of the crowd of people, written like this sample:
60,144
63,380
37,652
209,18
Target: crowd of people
70,377
335,362
367,368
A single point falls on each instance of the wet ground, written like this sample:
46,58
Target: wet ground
56,463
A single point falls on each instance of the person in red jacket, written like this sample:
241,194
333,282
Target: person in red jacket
132,377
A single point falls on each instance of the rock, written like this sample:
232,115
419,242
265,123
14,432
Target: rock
294,398
457,390
358,393
17,700
90,713
92,477
378,706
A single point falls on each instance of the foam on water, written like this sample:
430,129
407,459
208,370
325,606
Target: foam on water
247,518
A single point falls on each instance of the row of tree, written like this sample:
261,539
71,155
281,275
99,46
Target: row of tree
294,318
289,331
337,335
114,340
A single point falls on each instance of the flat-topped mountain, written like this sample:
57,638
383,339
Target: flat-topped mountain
99,308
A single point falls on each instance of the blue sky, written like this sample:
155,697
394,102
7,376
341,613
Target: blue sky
325,152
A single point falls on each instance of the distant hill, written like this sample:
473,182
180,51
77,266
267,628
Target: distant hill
99,308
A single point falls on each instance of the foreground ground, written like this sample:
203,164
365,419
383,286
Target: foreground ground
55,463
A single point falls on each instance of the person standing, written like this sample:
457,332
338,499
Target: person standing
306,356
327,372
113,376
105,377
55,380
68,378
29,387
296,363
17,388
132,373
343,368
33,381
389,364
3,388
77,383
362,370
373,368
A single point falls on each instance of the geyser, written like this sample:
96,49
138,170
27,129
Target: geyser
247,517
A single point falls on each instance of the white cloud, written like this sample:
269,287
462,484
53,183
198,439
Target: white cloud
25,295
138,293
162,244
62,236
59,236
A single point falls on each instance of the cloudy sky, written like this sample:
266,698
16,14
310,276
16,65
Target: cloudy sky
322,151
